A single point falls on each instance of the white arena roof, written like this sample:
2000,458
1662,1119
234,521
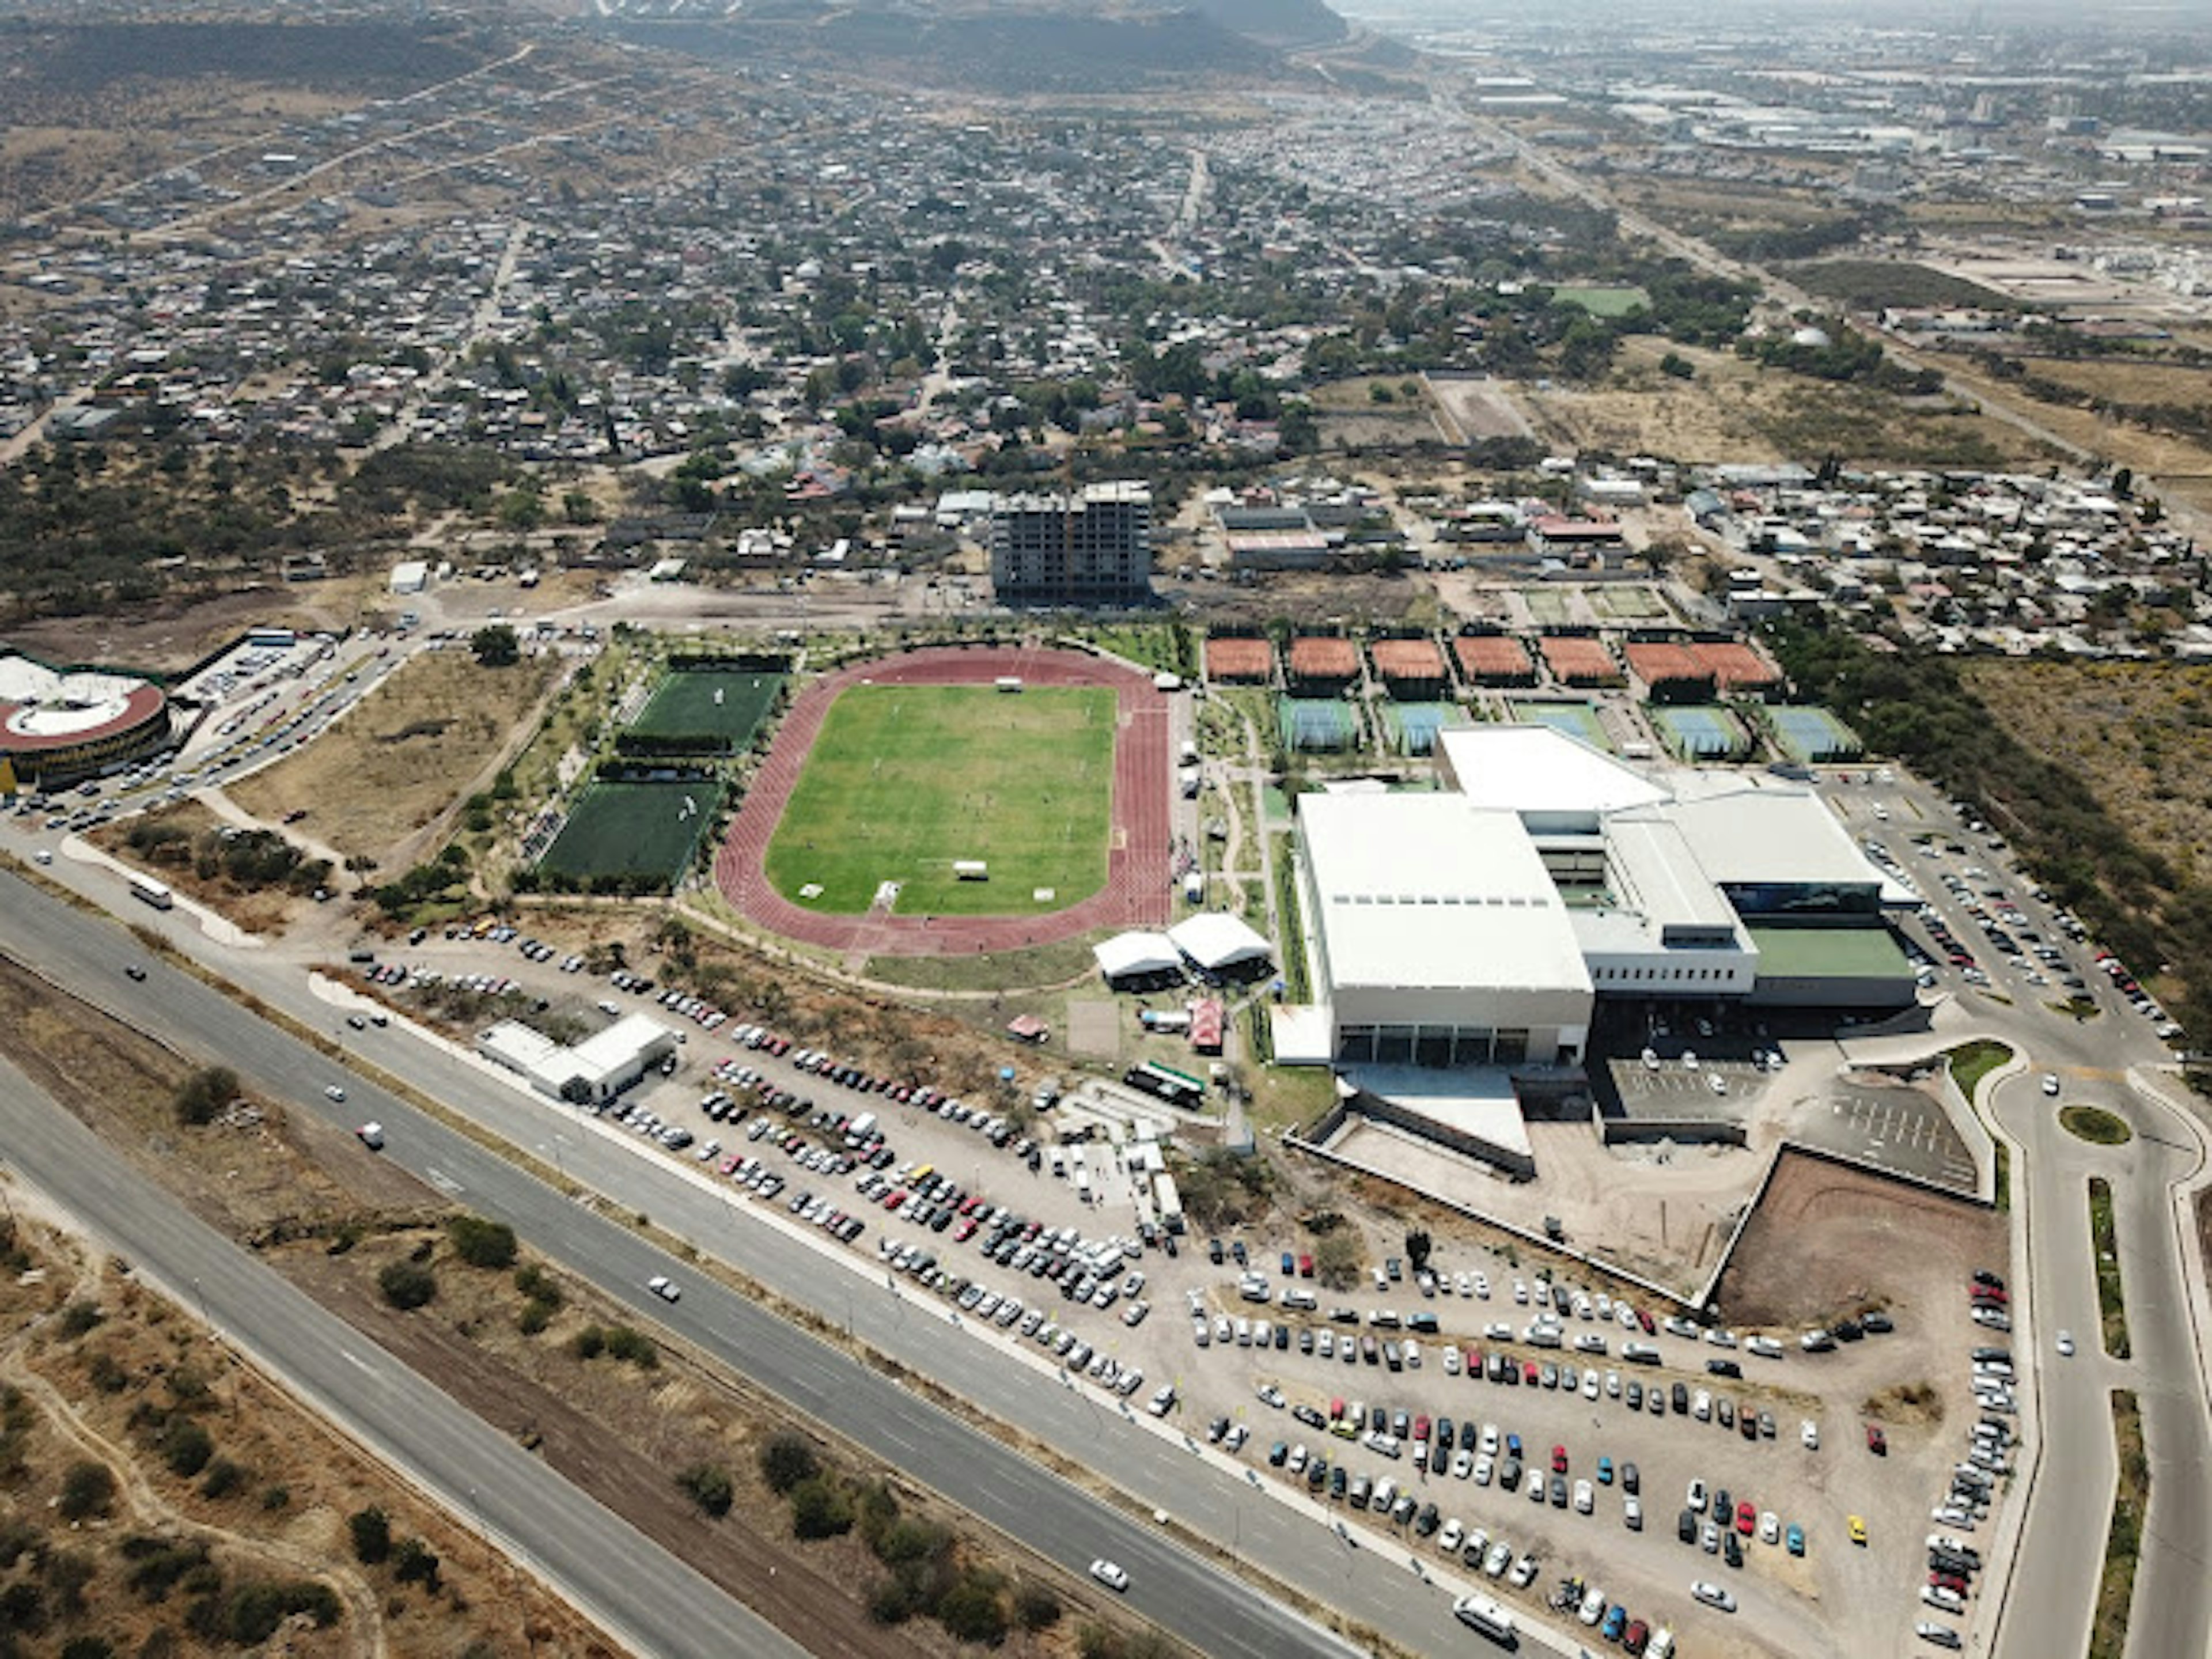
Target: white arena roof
1536,770
1747,833
1215,939
1425,891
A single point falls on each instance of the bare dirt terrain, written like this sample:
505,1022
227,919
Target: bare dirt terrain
1827,1240
400,762
170,637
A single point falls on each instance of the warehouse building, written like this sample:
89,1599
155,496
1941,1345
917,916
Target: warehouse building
593,1071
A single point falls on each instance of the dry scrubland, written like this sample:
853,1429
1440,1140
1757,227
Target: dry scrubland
2139,734
408,754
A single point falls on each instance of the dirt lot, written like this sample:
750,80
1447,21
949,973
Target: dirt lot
1828,1240
400,762
169,637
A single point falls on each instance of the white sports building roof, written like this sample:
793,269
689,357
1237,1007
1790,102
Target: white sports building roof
1539,772
1128,955
1430,891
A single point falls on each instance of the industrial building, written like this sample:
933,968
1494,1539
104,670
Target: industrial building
593,1071
1091,550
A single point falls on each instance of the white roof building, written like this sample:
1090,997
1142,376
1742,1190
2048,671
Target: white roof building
1216,940
598,1068
1136,956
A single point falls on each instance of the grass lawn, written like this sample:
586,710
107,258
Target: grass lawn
1603,301
1972,1062
2112,1301
2108,1636
632,829
2095,1125
905,780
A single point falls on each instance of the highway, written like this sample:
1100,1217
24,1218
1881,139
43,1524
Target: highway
1204,1606
641,1594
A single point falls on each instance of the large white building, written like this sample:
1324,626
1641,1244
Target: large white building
1482,924
597,1069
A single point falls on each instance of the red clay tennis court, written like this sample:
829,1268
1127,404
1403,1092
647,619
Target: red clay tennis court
1318,658
1493,659
1409,662
1239,661
1662,665
1734,665
1576,660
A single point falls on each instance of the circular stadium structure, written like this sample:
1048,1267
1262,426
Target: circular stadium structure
56,726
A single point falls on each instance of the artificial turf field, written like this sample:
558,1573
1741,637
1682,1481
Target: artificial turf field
904,780
685,705
630,829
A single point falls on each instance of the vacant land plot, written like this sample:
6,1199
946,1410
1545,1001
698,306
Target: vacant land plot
1875,284
1826,1240
415,746
718,711
1478,407
2139,734
906,780
632,831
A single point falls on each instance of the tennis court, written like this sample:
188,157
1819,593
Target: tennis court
713,711
632,832
1577,719
1701,733
1316,725
1808,733
1412,728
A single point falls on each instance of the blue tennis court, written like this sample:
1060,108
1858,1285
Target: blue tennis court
1701,733
1809,734
1413,725
1317,725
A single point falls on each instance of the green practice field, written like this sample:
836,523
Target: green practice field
716,704
632,831
904,780
1603,301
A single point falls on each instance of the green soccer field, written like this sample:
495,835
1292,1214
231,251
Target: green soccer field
632,831
905,780
725,705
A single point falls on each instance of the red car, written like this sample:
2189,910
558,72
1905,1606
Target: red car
1558,1460
1950,1581
1335,1409
1421,1428
1636,1637
1644,1320
1747,1519
1530,1373
1877,1442
1305,1266
1474,1364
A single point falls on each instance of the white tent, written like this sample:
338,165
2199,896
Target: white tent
1131,956
1214,940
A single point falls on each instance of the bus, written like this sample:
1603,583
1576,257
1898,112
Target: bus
153,892
1165,1082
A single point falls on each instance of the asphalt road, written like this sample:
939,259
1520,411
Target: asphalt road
629,1584
1213,1611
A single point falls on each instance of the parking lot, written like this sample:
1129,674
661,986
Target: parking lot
940,1199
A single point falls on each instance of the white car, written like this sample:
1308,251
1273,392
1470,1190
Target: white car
1109,1575
1770,1527
1713,1596
1270,1396
1809,1432
334,1091
2066,1344
1585,1497
1524,1571
1632,1513
663,1287
1592,1608
1451,1537
2050,1082
371,1135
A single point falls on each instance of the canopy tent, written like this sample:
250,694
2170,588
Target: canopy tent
1216,940
1136,956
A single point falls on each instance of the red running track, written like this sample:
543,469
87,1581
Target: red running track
1136,893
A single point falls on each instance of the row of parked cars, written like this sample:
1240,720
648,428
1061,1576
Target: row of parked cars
1953,1563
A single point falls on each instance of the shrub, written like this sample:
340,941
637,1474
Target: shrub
788,1461
372,1535
973,1609
913,1538
88,1647
277,1498
186,1447
636,1348
535,1283
710,1488
819,1508
893,1601
107,1375
78,1317
534,1318
254,1611
88,1489
158,1565
223,1478
589,1343
1036,1607
407,1284
415,1563
481,1243
205,1093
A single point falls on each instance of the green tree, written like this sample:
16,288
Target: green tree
496,647
88,1489
788,1461
708,1487
481,1243
205,1093
819,1508
415,1563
